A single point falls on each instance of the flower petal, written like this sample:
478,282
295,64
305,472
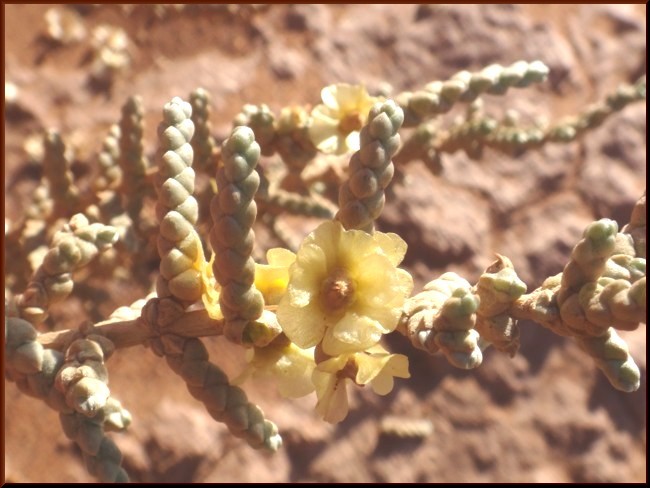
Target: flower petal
294,370
393,246
404,282
369,366
272,282
329,145
304,326
295,388
334,364
332,396
309,270
382,281
397,366
211,289
385,291
323,132
210,299
327,237
386,318
352,142
382,384
329,95
302,288
325,117
378,369
352,333
286,363
355,247
352,98
272,279
281,257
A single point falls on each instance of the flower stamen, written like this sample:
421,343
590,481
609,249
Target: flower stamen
337,291
349,371
350,123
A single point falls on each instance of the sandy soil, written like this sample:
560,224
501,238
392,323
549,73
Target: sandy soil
547,415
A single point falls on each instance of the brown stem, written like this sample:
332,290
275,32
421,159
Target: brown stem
129,333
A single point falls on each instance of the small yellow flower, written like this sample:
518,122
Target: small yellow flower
272,279
285,362
344,289
291,119
337,121
210,294
376,367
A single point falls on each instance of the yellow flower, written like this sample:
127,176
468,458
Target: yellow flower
337,121
378,367
291,119
210,295
272,279
344,289
375,367
289,365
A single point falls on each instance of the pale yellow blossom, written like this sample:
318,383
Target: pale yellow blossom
376,367
336,123
292,118
345,289
272,279
211,288
285,363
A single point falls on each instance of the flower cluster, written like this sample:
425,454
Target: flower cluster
341,292
337,296
337,122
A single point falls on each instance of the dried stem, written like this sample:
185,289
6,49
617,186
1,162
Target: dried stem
129,333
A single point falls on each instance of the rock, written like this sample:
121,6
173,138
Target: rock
178,441
286,63
444,226
540,238
610,176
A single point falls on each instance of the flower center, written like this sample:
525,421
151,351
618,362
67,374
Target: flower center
337,291
350,371
350,123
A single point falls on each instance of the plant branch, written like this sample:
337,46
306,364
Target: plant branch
128,333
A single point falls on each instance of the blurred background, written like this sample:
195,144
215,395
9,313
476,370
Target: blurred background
547,415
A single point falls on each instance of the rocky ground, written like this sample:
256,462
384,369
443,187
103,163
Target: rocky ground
548,415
